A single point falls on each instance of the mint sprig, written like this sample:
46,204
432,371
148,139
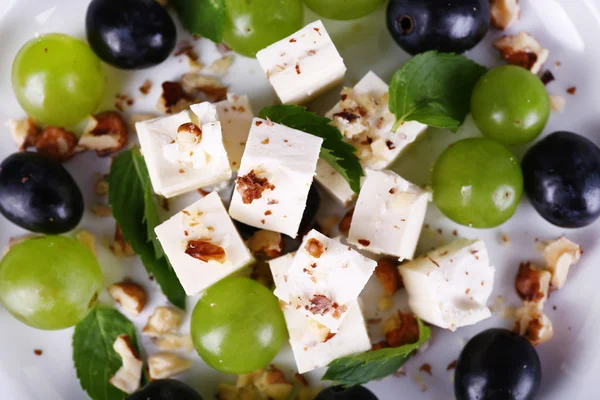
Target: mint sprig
93,354
202,17
335,150
434,89
365,367
132,200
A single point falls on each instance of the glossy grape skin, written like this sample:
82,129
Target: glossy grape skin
510,105
477,182
130,34
165,389
343,9
349,393
237,326
562,179
39,194
49,282
497,364
422,25
58,80
253,25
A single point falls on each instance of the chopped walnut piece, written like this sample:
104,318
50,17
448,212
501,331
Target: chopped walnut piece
557,102
128,377
173,341
251,187
314,248
56,143
163,320
101,186
387,272
504,12
130,296
274,385
120,247
23,131
248,379
146,86
560,254
533,324
203,87
320,304
344,225
101,210
205,251
385,302
265,243
221,65
400,329
173,98
106,133
532,284
87,239
572,90
522,50
166,365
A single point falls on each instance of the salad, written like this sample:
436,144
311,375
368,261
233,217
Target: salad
301,234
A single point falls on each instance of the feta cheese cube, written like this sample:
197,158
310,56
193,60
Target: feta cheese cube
325,279
275,175
364,118
202,244
449,287
303,65
388,215
313,344
185,151
236,116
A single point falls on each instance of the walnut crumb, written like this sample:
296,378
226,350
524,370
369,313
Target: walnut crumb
314,247
205,251
251,187
364,242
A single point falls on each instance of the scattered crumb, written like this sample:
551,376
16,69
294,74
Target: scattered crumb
146,86
418,379
451,376
557,102
186,48
38,352
221,65
123,101
547,77
101,185
505,239
451,366
454,232
572,90
554,308
400,372
426,368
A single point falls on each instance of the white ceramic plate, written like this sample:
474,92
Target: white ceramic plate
571,360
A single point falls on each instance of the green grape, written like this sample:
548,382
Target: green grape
510,105
58,80
253,25
343,9
237,326
49,282
477,182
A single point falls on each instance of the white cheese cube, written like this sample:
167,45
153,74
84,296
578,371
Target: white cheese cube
325,279
275,175
202,244
303,65
185,151
236,116
388,215
449,287
364,118
334,183
313,344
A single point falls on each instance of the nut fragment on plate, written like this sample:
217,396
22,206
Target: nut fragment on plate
532,284
173,98
504,12
221,65
203,88
533,324
387,272
273,384
522,50
163,320
105,133
346,221
400,329
127,378
560,254
557,102
130,296
87,239
173,341
56,143
267,244
120,247
23,131
166,365
101,185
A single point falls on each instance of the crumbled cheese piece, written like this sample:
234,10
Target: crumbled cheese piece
184,151
325,279
236,116
202,244
302,65
522,50
560,254
449,287
275,176
389,215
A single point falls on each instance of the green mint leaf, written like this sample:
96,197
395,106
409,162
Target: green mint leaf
434,89
335,150
202,17
95,360
365,367
132,200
